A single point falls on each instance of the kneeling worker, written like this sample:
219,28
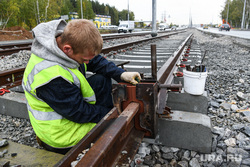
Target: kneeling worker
63,104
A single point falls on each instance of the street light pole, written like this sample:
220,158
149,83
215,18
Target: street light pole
154,31
227,10
128,10
243,16
81,10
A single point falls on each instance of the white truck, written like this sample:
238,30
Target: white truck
126,26
163,26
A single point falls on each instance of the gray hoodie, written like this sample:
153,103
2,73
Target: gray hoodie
45,46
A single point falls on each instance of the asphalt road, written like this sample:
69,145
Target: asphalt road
232,32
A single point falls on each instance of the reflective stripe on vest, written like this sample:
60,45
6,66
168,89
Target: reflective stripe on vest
44,116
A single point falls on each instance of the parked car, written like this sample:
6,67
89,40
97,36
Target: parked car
225,27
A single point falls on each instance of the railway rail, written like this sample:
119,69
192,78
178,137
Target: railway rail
115,140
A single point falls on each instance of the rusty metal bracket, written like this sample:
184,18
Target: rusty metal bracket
166,113
144,93
163,88
119,95
148,93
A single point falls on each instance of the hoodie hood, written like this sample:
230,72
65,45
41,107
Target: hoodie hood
45,46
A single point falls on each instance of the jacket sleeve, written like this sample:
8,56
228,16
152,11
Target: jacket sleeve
66,99
101,65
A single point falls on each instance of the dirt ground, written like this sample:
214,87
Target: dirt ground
15,33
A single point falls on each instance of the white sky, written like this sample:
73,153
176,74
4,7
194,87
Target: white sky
177,11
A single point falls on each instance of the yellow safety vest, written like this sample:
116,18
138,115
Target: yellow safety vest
52,128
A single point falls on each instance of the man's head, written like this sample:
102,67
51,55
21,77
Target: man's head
80,40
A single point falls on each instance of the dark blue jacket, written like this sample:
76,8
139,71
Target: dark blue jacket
67,100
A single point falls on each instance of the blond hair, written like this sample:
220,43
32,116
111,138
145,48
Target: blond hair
81,34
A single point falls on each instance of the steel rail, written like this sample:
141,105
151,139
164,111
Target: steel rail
13,50
11,45
165,74
109,137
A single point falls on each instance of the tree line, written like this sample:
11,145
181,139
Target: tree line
233,12
29,13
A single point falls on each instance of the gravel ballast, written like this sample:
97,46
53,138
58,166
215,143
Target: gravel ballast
227,85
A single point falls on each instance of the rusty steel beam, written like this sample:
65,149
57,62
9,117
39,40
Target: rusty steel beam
91,137
11,78
114,133
153,61
145,94
106,150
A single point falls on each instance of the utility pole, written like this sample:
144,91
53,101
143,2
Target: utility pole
154,32
128,10
38,16
227,10
81,10
46,10
243,16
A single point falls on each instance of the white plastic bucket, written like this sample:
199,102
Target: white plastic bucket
194,82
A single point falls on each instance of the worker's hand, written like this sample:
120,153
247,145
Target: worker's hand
131,77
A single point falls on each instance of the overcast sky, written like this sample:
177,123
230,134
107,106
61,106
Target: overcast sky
176,11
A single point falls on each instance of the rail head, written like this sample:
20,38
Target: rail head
165,73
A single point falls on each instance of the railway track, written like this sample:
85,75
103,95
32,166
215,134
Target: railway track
14,47
13,77
137,108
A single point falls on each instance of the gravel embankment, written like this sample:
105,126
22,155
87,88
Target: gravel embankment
229,102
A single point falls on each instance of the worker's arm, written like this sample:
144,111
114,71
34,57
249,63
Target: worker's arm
100,65
66,99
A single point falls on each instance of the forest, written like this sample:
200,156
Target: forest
233,12
29,13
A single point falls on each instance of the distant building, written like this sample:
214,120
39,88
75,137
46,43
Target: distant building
73,15
102,20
